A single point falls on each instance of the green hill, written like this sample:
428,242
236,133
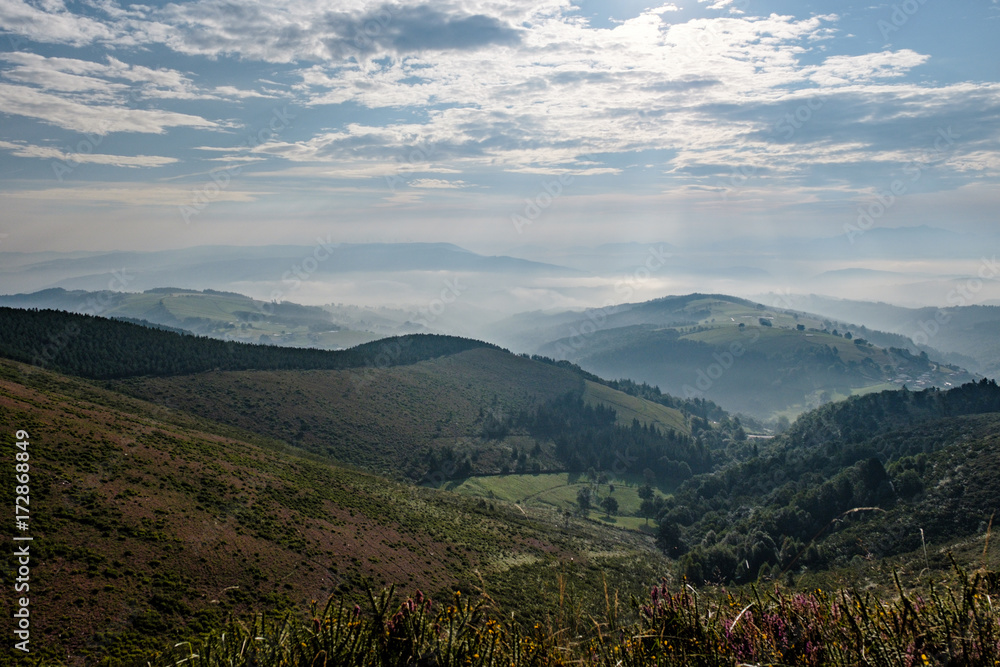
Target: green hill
748,358
418,406
99,348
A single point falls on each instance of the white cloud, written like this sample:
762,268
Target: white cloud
437,184
134,195
97,119
839,70
24,149
113,80
52,24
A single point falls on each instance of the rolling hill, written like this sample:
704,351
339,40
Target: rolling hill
176,480
406,406
749,358
967,334
151,524
225,266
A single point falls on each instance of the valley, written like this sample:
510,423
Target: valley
204,479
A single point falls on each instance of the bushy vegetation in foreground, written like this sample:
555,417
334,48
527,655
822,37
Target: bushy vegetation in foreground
956,624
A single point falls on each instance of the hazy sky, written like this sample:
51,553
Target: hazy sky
492,124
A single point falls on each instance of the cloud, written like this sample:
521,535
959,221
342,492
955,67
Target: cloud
24,149
425,28
91,118
293,31
839,70
134,195
437,184
53,24
463,94
109,81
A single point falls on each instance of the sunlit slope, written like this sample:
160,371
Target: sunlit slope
747,357
390,420
632,407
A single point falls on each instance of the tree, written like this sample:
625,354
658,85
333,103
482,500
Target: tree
647,509
668,538
909,484
646,492
610,505
583,498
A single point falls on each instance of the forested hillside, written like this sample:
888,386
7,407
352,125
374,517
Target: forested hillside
100,348
872,476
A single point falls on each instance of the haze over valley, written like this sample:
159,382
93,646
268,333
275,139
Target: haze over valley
473,333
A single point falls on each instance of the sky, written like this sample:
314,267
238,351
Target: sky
497,126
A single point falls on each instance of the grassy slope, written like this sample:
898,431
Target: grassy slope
631,407
385,419
149,522
779,370
559,491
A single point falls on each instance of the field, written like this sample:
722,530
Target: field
558,491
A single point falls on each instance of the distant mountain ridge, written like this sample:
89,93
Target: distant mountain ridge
213,266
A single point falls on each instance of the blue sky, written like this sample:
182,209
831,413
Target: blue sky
493,125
